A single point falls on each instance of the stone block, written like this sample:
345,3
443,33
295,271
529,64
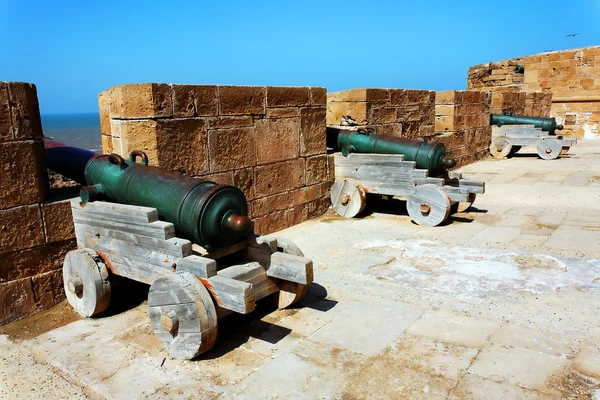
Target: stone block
43,290
311,193
447,97
182,145
144,100
195,100
286,96
270,204
23,175
136,135
298,214
283,112
277,139
318,96
316,169
16,300
273,222
318,207
58,221
312,131
21,228
230,122
360,95
104,108
231,148
24,111
243,179
222,178
58,286
242,100
337,110
6,132
379,115
279,177
29,262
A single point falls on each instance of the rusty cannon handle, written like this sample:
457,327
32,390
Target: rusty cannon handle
116,159
138,153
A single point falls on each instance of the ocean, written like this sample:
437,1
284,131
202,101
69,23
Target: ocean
82,130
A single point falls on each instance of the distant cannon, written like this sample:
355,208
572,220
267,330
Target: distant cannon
368,163
545,124
427,155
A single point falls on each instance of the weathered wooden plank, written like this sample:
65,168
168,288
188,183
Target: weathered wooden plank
157,229
372,158
125,249
291,268
433,181
175,246
231,294
117,211
252,273
133,269
198,266
456,194
219,253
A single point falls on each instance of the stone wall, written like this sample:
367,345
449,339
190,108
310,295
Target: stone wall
36,228
268,141
535,104
462,123
395,112
572,76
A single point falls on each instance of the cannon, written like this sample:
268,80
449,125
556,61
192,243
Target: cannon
510,133
426,155
190,240
545,124
367,163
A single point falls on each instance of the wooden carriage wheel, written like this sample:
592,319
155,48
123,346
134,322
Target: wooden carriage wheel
85,277
549,149
500,147
465,205
182,315
289,292
428,205
347,198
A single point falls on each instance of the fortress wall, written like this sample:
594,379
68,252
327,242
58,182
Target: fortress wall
267,141
36,228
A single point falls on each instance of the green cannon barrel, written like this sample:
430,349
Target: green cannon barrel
430,156
213,215
546,124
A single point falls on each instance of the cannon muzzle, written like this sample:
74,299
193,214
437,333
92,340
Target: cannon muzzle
212,215
546,124
430,156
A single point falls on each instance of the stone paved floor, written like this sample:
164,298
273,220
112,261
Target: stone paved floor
501,302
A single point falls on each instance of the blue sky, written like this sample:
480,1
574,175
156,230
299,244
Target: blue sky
72,50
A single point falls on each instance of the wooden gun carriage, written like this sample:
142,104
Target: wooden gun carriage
509,139
191,288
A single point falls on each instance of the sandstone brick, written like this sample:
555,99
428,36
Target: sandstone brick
16,300
354,95
298,214
381,115
5,119
222,178
58,221
21,228
273,222
316,169
330,167
277,139
279,177
267,205
283,112
230,122
58,286
447,97
395,129
195,100
318,207
136,135
24,111
144,100
286,96
104,108
318,96
23,176
240,100
399,97
337,110
182,145
107,145
311,193
29,262
243,179
312,131
231,148
43,290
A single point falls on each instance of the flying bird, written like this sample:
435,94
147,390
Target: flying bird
572,35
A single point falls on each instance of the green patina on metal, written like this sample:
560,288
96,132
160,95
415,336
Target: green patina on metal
427,155
520,69
546,124
210,214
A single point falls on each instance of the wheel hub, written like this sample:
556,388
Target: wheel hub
425,209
